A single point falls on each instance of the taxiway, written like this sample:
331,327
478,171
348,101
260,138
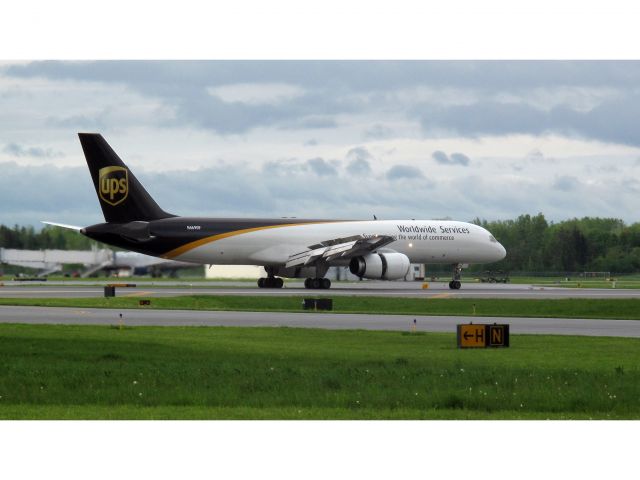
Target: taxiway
141,317
375,289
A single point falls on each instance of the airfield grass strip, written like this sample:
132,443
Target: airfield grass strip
67,372
622,308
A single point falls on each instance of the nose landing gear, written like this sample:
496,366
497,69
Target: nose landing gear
455,283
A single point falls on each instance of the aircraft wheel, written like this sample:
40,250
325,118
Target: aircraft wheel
261,282
451,285
307,283
316,283
279,283
457,284
326,283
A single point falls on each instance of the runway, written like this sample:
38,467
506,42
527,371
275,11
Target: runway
139,317
74,289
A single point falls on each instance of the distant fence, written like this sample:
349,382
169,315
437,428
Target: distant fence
602,275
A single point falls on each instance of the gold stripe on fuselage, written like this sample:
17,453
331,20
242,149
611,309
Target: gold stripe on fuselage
203,241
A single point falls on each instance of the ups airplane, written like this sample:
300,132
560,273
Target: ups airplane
291,248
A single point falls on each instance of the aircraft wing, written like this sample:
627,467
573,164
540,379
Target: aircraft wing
342,248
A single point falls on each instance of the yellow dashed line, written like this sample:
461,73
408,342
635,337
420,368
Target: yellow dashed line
442,295
137,294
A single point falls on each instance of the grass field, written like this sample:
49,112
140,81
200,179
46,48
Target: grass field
621,308
624,282
281,373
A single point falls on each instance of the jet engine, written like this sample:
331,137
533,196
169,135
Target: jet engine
380,266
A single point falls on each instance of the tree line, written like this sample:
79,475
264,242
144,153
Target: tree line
587,244
27,238
533,244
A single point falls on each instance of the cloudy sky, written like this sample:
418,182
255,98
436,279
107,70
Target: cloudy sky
345,139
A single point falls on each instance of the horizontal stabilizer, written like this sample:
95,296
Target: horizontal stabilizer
64,225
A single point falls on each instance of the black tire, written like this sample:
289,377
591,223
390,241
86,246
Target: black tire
261,283
307,283
316,283
457,284
279,283
451,285
326,283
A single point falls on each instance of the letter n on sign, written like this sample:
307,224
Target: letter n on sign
498,336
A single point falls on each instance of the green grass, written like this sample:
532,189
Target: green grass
281,373
621,282
620,308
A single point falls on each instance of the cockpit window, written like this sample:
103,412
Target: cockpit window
492,239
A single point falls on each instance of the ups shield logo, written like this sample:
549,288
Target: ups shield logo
113,185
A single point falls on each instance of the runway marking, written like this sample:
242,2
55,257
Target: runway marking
137,294
441,295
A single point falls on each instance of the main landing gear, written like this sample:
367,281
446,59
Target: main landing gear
455,284
317,283
271,281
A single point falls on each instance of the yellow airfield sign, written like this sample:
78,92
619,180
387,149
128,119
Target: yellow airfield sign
482,335
471,336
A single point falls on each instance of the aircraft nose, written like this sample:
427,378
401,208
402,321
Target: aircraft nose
501,251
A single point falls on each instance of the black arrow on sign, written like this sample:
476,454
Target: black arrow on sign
479,335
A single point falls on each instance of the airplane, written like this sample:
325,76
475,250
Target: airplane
285,247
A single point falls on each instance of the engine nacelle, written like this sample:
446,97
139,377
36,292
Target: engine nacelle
380,266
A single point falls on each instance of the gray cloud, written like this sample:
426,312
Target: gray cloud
361,75
285,167
359,166
612,121
378,132
170,106
398,172
359,153
503,94
359,161
45,192
321,167
79,122
459,159
535,155
566,183
66,194
440,157
16,150
453,159
292,167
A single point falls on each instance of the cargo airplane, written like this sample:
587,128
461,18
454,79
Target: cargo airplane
286,247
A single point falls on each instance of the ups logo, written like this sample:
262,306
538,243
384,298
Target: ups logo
113,185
